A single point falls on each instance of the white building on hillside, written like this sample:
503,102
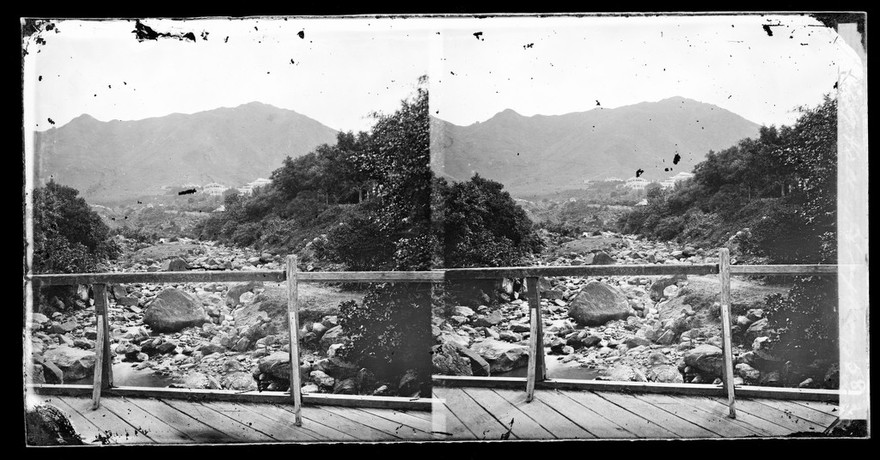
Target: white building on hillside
250,186
668,183
636,183
682,176
214,189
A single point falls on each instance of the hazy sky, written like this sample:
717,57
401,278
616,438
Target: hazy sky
342,69
559,65
345,68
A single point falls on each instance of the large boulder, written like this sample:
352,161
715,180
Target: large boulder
277,365
598,303
333,335
479,366
74,363
173,310
502,356
337,368
233,295
601,258
447,361
242,381
265,315
624,373
665,373
659,286
707,359
175,264
489,320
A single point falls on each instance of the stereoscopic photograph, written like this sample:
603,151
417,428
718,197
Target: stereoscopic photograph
444,228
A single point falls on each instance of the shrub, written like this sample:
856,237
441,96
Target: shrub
68,235
390,333
805,323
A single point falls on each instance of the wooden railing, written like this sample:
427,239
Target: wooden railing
103,377
537,374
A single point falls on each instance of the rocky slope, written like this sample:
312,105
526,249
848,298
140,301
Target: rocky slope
661,329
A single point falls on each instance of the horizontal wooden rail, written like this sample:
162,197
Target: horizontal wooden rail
435,276
581,270
282,397
799,269
160,277
692,389
432,276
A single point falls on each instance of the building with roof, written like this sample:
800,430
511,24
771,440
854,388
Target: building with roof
636,183
214,189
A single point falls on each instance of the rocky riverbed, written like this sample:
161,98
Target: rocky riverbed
202,335
659,329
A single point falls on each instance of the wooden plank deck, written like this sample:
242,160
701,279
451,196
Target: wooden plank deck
467,413
152,420
459,413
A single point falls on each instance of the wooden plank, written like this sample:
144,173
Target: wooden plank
801,394
256,419
100,292
233,429
283,397
581,270
516,421
311,426
590,421
445,424
478,421
792,269
534,344
346,425
828,408
677,425
387,425
160,277
694,389
727,347
545,415
145,422
401,417
293,333
107,368
805,413
633,423
762,427
112,428
682,408
188,424
486,382
777,416
434,276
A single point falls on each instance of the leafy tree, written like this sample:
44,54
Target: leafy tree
481,225
69,237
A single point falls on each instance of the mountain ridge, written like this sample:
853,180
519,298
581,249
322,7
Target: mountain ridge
122,159
540,153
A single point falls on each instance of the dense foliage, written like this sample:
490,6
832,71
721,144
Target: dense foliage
783,187
371,202
69,237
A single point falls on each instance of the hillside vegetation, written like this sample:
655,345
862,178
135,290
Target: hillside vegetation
774,199
371,202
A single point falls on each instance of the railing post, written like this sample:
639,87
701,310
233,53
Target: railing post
293,330
103,370
536,370
727,370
